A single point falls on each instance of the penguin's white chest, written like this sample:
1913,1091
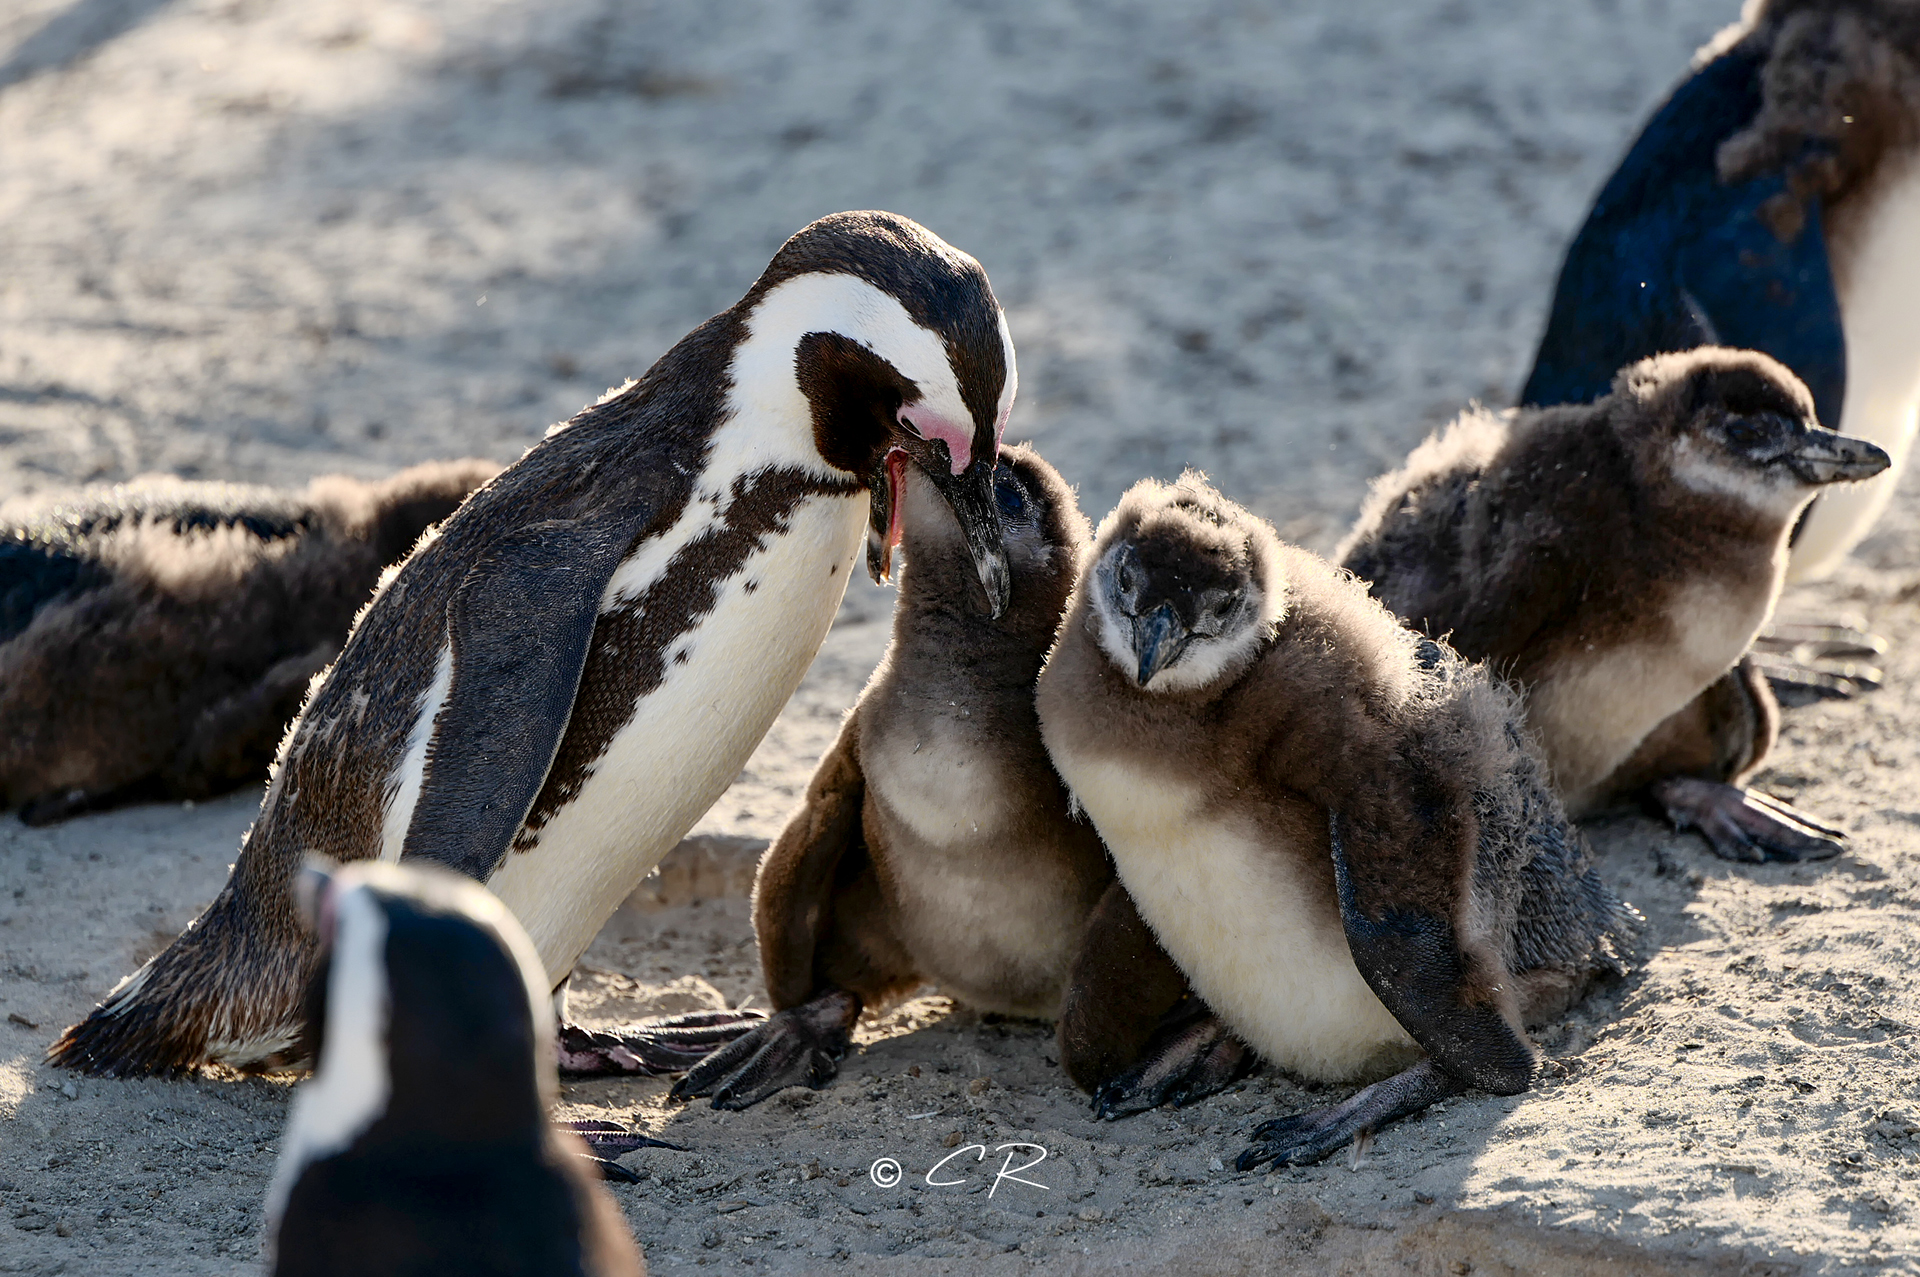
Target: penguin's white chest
1259,940
1877,274
724,683
1592,712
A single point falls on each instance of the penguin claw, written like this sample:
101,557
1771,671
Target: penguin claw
801,1046
1302,1139
610,1139
612,1171
665,1044
1808,662
1188,1059
1746,825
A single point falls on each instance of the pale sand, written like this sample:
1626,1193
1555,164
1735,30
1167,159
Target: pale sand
248,240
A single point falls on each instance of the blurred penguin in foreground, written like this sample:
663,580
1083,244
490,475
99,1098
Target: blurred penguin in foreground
421,1145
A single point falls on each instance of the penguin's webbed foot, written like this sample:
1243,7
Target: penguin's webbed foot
801,1046
1305,1138
608,1141
665,1044
1808,663
1191,1055
1745,824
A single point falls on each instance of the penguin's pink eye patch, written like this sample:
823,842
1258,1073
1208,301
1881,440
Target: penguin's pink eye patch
931,425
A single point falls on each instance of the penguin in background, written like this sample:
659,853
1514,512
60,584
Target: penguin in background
421,1145
570,670
935,843
1336,828
1772,203
1616,561
157,637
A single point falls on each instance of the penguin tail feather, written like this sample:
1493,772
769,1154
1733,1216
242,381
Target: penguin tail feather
229,990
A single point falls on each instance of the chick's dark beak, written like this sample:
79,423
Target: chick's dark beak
970,493
1158,639
1826,457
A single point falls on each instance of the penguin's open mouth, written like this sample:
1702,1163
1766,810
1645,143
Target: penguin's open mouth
892,493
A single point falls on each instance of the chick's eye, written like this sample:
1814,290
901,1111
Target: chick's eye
1745,432
1012,501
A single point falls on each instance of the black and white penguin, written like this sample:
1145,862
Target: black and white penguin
1616,559
421,1145
568,673
156,637
1773,203
1335,827
935,843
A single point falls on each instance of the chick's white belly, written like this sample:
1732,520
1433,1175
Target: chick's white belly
1257,938
689,737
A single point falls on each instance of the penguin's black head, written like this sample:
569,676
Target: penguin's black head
1737,423
1041,526
1183,585
903,355
429,1013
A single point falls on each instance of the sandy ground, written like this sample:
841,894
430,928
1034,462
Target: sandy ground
262,241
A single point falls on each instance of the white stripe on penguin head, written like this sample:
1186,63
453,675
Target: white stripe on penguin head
351,1082
765,382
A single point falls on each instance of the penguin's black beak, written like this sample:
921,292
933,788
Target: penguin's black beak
969,493
1825,457
1159,638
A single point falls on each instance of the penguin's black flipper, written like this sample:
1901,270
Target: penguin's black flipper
520,624
1671,257
1307,1137
1413,961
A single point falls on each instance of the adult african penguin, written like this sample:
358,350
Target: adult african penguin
156,637
935,843
421,1145
1773,202
567,673
1616,559
1336,827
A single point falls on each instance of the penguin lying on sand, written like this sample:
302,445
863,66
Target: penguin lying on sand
1616,560
421,1145
1335,827
1773,202
567,673
156,638
935,842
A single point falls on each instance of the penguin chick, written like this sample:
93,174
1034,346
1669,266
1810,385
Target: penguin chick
1772,202
935,844
556,684
421,1145
1333,826
1616,559
156,638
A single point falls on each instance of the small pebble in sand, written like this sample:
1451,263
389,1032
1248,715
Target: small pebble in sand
979,1086
952,1140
